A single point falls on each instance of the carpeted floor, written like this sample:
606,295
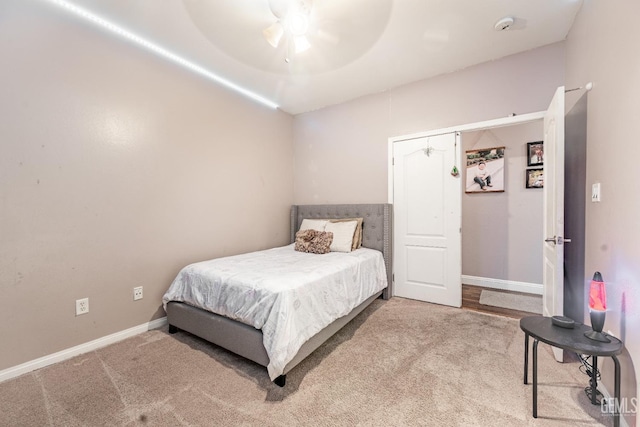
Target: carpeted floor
400,363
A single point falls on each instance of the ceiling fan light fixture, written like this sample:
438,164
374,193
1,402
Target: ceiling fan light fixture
273,34
298,23
301,44
292,25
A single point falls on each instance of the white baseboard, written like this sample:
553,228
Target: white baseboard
508,285
60,356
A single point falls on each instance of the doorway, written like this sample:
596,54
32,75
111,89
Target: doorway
555,269
501,231
430,292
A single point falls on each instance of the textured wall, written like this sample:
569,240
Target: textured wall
602,47
118,168
341,152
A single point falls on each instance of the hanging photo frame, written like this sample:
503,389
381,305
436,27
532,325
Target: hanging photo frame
485,170
535,153
534,178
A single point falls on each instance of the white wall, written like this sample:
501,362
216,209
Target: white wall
117,169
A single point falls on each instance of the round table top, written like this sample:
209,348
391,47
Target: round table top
541,328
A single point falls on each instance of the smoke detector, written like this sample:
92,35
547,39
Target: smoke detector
504,24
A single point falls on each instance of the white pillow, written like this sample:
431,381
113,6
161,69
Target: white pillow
313,224
342,235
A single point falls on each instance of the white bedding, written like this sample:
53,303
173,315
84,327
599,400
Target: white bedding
290,295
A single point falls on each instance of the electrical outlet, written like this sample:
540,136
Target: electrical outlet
82,306
137,293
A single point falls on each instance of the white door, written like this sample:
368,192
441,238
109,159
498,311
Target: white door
427,220
553,249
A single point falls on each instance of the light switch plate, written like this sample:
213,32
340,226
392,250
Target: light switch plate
595,192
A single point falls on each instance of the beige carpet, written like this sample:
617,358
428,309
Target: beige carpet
400,363
528,303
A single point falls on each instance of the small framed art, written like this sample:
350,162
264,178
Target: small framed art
535,153
534,178
485,170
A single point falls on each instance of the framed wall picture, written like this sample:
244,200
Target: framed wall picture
534,178
485,170
535,153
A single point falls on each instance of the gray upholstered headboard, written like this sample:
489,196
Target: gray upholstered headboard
377,227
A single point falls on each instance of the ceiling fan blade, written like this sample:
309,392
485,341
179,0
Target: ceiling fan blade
279,7
273,34
301,44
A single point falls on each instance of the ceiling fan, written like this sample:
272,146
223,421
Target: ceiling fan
291,26
326,34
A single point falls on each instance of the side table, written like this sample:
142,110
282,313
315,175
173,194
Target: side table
541,329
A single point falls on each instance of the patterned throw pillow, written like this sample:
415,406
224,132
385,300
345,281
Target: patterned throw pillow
312,241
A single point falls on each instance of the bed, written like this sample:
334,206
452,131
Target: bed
247,340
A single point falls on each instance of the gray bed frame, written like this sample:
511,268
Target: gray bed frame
246,340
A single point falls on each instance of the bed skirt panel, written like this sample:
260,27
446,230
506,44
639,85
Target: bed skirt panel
246,340
235,336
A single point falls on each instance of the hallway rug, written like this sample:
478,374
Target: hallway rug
530,303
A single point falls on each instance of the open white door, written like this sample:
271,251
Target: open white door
427,220
553,249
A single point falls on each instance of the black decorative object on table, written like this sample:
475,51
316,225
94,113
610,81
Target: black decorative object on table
563,322
574,339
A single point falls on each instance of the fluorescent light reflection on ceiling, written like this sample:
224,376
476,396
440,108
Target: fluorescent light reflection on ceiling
160,51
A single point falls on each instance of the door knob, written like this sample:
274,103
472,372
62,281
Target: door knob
557,240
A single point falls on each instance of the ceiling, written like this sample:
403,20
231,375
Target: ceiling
358,47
